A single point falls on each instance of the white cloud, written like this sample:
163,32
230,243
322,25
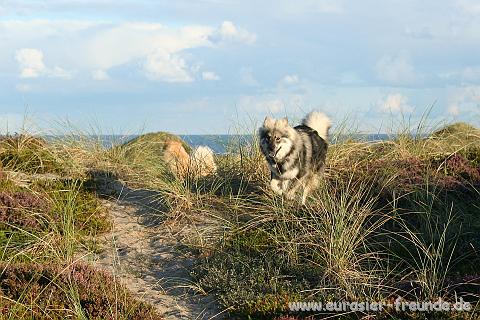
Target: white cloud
57,72
100,75
290,79
118,44
467,74
464,101
267,103
30,62
95,47
228,32
167,67
395,70
468,6
210,76
394,103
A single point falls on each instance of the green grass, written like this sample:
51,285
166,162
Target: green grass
26,153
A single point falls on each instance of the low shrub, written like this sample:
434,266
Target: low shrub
23,210
46,291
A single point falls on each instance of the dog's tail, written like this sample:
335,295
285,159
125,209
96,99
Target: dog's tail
319,122
203,160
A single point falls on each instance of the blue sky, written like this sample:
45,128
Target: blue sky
212,66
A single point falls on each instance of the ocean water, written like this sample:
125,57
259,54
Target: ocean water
218,143
222,143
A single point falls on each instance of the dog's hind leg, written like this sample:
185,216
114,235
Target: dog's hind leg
310,184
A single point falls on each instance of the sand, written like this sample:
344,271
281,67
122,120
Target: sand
144,254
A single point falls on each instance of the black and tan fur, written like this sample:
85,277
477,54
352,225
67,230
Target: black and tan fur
296,156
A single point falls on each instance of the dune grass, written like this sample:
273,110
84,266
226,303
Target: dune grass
392,218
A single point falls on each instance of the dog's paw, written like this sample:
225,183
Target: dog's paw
290,195
276,186
278,192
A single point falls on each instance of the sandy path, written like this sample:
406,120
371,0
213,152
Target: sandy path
148,259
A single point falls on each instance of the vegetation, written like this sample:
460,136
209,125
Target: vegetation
46,291
146,151
48,219
391,218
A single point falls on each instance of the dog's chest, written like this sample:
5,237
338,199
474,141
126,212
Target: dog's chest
277,169
285,171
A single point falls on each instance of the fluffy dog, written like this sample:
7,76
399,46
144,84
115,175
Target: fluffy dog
203,161
176,158
200,163
296,156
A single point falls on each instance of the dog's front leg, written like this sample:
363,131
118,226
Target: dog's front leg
294,185
285,185
277,186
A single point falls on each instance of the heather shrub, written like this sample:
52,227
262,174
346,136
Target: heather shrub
23,210
48,291
460,167
263,283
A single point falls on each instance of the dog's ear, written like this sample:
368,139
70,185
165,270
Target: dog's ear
283,122
268,122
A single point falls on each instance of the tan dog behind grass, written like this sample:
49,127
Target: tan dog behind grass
200,163
176,158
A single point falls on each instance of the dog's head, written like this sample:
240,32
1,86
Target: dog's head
276,138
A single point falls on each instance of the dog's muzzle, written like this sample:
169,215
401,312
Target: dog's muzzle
274,153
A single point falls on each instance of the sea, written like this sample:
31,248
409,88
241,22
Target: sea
221,144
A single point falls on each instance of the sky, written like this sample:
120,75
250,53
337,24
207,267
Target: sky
221,66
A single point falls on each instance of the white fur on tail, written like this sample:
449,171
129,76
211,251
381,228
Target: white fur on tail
203,161
319,122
